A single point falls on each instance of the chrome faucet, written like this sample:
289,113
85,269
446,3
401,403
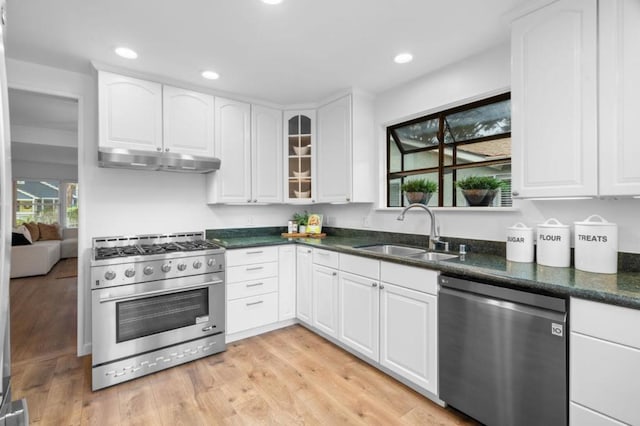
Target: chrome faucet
434,238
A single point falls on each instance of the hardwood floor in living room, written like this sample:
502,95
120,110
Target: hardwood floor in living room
289,376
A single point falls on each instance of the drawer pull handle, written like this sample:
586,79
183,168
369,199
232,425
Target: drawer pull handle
255,252
254,285
255,303
322,253
255,268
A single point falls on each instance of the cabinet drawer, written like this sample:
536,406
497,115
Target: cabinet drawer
252,272
325,258
604,321
251,312
604,377
424,280
252,255
581,416
360,266
251,288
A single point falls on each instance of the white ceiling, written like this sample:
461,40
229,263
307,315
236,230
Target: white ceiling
298,51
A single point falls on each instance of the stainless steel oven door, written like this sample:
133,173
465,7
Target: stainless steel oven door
137,318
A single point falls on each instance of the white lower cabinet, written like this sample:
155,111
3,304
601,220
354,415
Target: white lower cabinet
582,416
252,288
604,364
359,314
304,286
286,282
325,299
408,335
251,312
391,323
359,305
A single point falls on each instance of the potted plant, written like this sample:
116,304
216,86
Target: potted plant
302,219
419,190
480,190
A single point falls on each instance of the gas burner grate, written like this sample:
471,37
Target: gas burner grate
147,245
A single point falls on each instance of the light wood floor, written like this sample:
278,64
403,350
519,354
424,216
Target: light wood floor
289,376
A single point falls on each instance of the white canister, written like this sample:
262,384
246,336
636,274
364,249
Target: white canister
596,245
520,243
554,244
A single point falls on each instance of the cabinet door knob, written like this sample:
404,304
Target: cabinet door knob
374,285
334,273
515,193
158,149
348,199
381,287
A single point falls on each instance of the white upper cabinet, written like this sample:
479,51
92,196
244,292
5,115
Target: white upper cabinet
145,116
300,152
346,150
334,151
188,122
266,154
130,113
232,183
248,140
619,38
554,101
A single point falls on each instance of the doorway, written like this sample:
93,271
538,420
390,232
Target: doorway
44,149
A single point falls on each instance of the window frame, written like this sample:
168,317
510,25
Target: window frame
62,202
441,169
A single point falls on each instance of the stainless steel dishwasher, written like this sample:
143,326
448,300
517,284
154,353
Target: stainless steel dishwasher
502,354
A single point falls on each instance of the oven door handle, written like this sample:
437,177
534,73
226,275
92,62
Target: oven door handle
156,292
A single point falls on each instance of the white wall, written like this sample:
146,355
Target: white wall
476,77
35,170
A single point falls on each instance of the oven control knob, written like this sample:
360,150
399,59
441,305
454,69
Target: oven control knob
182,266
109,275
211,262
166,267
197,264
130,272
148,270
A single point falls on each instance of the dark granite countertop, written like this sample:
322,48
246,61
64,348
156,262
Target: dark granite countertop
485,262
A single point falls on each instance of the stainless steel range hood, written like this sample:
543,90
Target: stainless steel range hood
148,160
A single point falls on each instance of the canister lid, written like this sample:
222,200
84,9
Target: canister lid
595,220
552,223
520,226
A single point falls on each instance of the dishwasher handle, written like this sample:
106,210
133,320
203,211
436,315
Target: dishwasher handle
556,317
502,293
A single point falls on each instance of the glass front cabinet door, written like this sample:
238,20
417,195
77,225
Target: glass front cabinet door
300,164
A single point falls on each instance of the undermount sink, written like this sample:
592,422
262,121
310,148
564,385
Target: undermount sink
393,250
432,255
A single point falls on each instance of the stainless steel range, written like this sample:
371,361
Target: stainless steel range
157,301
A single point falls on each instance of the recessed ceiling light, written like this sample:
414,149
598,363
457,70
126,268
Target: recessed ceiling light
403,58
272,1
210,75
125,52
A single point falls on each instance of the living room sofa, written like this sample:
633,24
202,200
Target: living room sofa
38,258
